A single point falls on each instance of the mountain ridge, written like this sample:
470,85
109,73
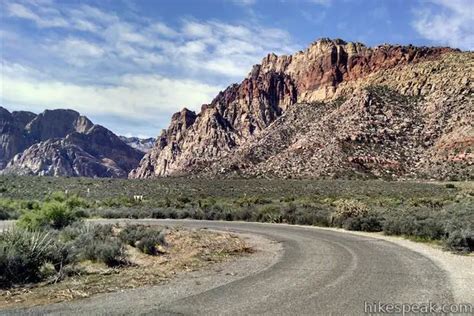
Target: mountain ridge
204,143
61,142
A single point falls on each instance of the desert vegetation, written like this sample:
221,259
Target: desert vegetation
52,254
441,213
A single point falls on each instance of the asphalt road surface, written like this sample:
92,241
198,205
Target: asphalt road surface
318,272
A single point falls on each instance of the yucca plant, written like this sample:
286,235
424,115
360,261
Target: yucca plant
22,254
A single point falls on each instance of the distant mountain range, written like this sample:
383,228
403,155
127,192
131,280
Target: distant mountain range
142,144
337,110
62,143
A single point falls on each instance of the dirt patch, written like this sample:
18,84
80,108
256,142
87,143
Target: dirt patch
186,250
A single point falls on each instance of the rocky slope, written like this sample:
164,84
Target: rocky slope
61,143
142,144
336,109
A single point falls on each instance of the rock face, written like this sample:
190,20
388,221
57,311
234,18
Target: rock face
62,143
336,109
12,137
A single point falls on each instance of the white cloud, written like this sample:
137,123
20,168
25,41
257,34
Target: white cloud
227,49
76,51
196,29
137,96
451,24
52,20
162,29
120,67
209,47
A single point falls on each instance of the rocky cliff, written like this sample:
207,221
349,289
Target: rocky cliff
335,109
61,143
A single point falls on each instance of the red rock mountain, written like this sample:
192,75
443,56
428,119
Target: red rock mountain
336,109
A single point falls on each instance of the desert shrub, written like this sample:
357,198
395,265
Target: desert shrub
148,245
123,212
348,209
287,199
120,201
111,252
269,214
57,196
450,186
428,228
144,238
370,223
184,214
392,226
252,200
228,216
183,199
312,216
75,201
213,212
25,205
244,213
196,213
459,236
52,214
96,243
207,202
8,210
172,213
427,202
22,255
60,256
289,213
158,213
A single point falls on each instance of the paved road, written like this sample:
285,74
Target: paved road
319,272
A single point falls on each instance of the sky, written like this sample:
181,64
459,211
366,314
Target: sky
129,65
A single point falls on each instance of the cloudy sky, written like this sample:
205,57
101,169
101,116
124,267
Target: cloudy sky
129,65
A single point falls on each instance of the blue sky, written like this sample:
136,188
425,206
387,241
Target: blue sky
129,65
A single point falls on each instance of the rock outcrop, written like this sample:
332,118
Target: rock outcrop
287,104
62,143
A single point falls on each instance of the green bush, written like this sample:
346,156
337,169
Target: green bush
459,236
57,196
269,214
244,214
52,214
123,212
74,202
8,210
121,201
95,243
252,200
370,223
111,252
419,225
144,238
22,255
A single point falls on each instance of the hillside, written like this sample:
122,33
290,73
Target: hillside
337,110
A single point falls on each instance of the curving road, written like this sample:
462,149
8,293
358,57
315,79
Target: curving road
318,272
